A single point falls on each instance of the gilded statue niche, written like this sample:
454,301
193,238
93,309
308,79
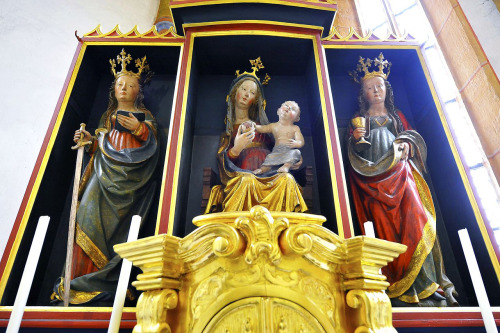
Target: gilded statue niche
261,272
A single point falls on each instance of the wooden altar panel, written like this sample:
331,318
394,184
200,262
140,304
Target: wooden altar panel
84,100
415,96
211,66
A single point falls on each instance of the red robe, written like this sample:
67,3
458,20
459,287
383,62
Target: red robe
252,157
399,204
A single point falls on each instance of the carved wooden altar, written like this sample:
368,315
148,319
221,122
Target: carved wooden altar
251,271
261,272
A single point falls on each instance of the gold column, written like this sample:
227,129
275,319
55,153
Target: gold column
478,85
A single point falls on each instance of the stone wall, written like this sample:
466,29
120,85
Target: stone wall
472,70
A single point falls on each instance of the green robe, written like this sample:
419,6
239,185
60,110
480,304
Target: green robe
119,186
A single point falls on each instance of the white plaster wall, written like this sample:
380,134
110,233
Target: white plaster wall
37,45
484,18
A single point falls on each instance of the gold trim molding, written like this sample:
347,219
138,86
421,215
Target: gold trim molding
134,33
265,271
354,36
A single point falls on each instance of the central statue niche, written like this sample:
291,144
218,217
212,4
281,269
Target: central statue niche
245,149
212,151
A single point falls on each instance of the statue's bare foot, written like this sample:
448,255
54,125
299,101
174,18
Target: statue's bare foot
258,172
451,294
284,168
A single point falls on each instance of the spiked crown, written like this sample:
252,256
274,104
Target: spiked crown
383,66
124,59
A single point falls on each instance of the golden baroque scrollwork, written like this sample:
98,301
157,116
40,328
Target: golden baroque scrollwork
152,308
218,239
320,293
375,310
313,242
207,292
262,232
261,271
214,286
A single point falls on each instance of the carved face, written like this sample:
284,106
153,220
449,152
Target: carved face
374,90
126,88
246,93
288,111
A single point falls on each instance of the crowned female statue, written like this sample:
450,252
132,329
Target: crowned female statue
387,161
116,184
242,151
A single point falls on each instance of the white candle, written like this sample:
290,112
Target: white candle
477,282
121,289
28,274
369,230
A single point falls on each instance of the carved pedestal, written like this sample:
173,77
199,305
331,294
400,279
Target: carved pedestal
261,272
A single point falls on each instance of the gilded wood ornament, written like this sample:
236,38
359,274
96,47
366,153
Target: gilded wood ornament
261,271
353,36
152,308
375,310
134,33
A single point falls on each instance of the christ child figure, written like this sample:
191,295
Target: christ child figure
288,139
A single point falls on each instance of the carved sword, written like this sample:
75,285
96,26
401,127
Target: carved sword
80,146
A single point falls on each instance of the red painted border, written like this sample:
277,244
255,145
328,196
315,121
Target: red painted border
36,168
333,140
174,140
69,319
440,319
101,319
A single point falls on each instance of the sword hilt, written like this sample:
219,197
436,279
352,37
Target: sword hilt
80,142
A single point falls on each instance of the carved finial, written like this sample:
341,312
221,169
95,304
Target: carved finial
262,233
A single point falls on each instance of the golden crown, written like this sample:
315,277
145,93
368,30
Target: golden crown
256,65
364,67
124,59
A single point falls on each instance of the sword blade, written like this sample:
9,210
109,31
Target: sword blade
72,225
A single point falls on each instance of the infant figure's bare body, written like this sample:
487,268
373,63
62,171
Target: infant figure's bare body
287,136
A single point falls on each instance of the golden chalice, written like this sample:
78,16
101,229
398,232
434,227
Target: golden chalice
362,144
